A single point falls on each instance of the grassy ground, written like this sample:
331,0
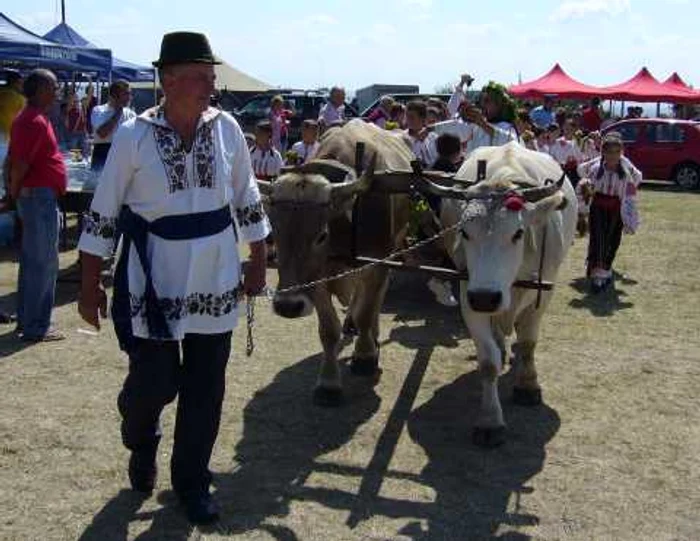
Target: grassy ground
612,455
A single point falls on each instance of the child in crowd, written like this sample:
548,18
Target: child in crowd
305,149
613,209
449,150
565,151
422,142
279,121
266,160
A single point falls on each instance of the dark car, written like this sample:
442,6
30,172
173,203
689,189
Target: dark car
663,149
303,104
404,99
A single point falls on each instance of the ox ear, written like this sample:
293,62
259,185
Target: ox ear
536,213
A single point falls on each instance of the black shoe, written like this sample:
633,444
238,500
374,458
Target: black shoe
200,508
143,471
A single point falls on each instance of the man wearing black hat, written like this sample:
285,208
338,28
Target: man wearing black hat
172,179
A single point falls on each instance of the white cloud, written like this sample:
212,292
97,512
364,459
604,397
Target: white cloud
467,31
419,4
38,22
577,9
320,19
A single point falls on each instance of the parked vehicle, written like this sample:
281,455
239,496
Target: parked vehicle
303,104
404,99
663,149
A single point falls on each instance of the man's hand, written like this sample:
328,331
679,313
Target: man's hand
93,300
92,305
474,114
255,269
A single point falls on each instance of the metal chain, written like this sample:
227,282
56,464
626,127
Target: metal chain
357,270
250,325
250,300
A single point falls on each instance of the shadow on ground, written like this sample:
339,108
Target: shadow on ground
285,437
607,302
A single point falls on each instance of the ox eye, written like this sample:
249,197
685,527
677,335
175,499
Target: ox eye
518,235
322,237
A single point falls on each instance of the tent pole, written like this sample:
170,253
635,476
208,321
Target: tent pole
658,109
63,11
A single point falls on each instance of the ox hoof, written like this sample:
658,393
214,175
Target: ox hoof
527,397
364,366
349,328
328,398
489,436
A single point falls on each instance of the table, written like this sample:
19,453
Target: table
82,182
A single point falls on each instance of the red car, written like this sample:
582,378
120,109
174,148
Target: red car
663,149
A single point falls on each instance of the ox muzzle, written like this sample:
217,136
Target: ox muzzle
485,300
292,305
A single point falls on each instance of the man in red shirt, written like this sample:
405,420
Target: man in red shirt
37,179
591,118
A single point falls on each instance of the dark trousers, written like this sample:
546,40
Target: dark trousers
605,222
99,155
157,374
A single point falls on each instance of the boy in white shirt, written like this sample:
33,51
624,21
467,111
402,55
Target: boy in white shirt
422,142
266,160
305,149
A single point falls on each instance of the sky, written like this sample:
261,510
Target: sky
309,44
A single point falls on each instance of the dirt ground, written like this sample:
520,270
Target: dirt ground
613,453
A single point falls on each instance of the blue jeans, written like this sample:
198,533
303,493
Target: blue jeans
38,261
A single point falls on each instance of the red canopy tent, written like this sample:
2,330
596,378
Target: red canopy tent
644,87
675,82
556,82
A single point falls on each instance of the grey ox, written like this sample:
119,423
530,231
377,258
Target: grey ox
507,219
311,211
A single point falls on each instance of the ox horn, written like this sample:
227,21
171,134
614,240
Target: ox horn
265,187
427,185
335,171
533,195
342,191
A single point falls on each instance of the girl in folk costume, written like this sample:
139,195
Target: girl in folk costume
279,121
613,210
566,152
266,160
590,146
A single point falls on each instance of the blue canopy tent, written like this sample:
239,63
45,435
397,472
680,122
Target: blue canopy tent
121,69
19,46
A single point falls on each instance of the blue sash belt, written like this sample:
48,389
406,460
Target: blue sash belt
135,230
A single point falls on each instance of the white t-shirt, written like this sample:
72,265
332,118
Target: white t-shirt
331,115
425,149
473,136
198,281
266,163
101,114
304,151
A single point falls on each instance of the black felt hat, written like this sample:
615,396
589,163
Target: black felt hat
185,48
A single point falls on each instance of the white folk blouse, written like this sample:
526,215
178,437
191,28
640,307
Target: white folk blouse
197,282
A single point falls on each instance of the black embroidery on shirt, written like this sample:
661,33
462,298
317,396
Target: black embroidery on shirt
204,162
177,308
250,215
99,226
173,154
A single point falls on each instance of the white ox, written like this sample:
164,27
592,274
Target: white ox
500,241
